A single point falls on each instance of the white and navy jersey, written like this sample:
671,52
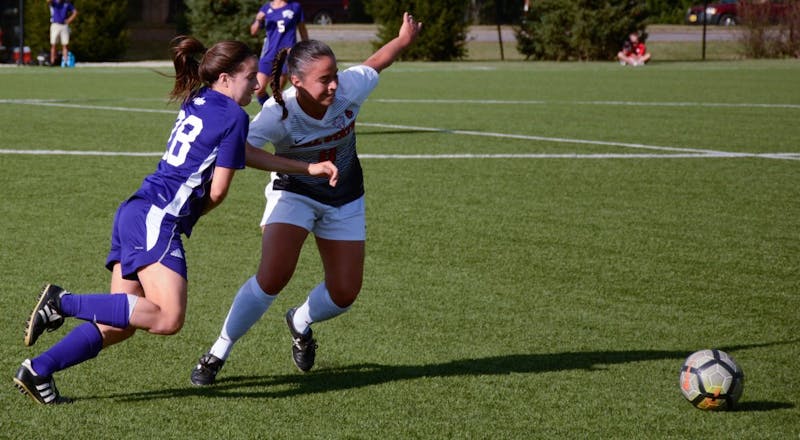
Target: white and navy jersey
310,140
210,131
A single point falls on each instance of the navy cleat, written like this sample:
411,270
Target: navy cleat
304,347
47,314
205,373
39,388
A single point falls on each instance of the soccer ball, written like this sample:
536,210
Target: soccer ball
711,380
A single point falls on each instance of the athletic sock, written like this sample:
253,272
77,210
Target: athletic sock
248,306
113,310
84,342
319,306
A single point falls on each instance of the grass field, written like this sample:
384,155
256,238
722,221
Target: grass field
546,244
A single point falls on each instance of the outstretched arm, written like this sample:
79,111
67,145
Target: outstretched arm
385,56
262,160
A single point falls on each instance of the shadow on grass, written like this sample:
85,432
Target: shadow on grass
761,405
363,375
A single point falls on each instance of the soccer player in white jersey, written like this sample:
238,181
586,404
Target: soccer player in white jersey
312,121
147,261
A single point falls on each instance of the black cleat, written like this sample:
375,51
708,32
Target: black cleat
46,315
39,388
205,373
304,347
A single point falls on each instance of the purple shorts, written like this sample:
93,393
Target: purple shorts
143,235
265,64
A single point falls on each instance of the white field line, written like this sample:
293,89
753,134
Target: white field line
791,156
689,151
78,153
540,156
48,103
618,103
558,140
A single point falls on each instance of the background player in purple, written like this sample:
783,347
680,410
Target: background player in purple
62,13
313,120
282,21
147,260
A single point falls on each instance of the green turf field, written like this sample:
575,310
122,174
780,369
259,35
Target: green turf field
546,244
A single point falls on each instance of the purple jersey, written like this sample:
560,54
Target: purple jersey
210,131
281,27
60,10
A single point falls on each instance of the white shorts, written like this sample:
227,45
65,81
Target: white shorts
58,32
346,222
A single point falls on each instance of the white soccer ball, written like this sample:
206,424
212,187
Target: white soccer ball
711,380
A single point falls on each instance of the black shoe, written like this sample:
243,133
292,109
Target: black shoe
39,388
304,347
206,370
46,315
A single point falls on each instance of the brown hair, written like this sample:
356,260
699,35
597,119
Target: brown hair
297,59
196,66
275,84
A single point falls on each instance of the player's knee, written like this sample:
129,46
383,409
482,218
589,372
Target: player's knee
168,326
344,294
273,284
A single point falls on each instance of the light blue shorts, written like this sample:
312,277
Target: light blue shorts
346,222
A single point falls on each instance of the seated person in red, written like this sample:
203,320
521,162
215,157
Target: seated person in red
633,52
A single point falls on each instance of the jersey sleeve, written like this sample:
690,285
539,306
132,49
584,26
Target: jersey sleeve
267,125
231,147
358,82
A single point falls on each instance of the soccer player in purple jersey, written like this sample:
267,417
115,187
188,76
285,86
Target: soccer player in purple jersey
147,260
62,13
282,21
313,120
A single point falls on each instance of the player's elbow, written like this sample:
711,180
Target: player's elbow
217,195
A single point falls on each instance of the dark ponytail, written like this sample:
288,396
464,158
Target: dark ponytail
196,66
187,53
275,84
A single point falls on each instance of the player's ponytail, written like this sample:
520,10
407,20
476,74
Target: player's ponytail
275,84
196,66
187,54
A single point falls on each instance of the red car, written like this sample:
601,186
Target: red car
325,11
724,12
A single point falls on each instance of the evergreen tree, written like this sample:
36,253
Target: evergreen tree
444,27
98,33
211,21
579,29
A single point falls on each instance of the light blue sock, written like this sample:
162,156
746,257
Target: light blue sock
248,306
318,307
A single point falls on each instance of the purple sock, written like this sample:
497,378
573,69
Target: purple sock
81,344
103,308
